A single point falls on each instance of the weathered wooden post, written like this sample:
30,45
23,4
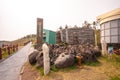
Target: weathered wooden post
16,47
13,48
8,49
39,33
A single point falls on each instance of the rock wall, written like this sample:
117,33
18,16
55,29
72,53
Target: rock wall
76,36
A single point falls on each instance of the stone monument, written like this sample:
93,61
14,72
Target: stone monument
46,58
39,32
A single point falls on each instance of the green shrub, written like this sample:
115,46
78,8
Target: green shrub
92,63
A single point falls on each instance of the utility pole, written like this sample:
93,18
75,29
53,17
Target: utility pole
39,33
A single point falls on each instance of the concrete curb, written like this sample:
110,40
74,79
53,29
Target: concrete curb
21,72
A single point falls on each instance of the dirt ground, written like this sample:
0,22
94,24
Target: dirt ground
103,71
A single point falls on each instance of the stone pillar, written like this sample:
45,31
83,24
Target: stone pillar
67,38
46,58
95,38
75,38
39,32
61,34
104,48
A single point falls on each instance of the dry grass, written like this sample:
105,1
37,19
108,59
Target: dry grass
106,69
111,66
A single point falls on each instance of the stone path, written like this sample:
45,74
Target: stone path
10,68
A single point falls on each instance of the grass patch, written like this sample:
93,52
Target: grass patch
40,70
114,60
92,63
112,66
53,68
115,78
5,54
73,67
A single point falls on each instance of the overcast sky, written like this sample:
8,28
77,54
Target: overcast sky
18,17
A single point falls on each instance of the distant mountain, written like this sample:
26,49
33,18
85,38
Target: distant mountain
21,41
25,39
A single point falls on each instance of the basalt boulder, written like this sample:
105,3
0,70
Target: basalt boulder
39,59
64,60
97,51
89,56
32,57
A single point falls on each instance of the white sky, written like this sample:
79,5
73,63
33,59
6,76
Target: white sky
18,17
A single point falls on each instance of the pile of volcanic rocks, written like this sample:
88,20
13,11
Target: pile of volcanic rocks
65,55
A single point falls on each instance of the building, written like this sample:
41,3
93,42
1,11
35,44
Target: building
76,35
110,26
49,36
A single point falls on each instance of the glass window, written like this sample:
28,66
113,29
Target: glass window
107,25
102,26
107,39
119,31
114,31
119,23
119,38
107,32
102,33
114,39
114,23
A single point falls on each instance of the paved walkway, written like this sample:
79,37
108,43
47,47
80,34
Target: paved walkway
10,68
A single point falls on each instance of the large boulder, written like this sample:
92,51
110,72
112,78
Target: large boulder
88,56
64,60
32,57
97,51
39,59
